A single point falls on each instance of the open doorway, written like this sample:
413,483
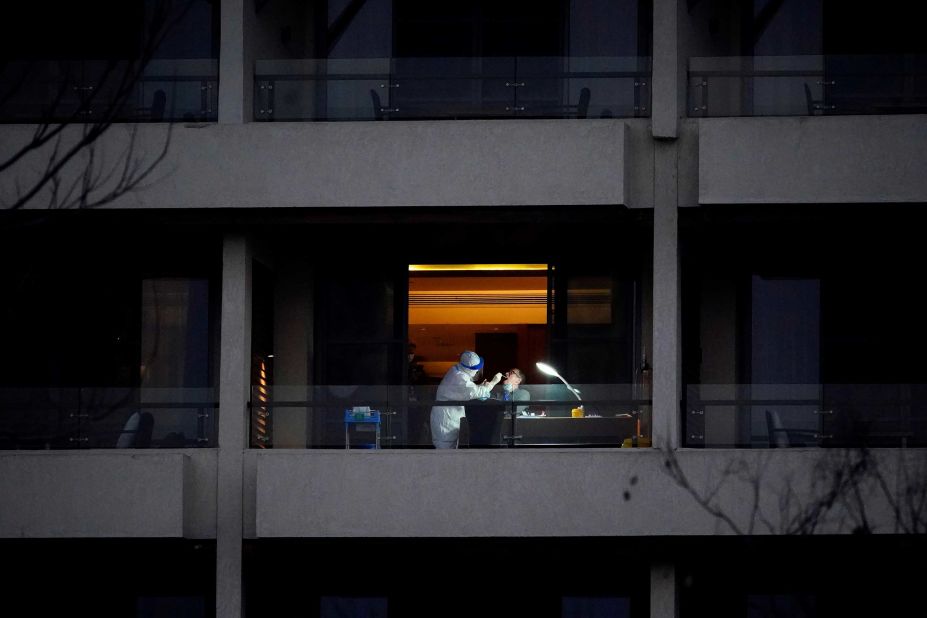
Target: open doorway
501,311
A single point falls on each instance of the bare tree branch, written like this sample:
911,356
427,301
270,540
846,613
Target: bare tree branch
113,88
840,496
674,469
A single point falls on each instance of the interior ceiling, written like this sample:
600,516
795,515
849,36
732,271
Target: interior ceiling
467,299
476,267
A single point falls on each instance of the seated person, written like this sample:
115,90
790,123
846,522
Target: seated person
510,389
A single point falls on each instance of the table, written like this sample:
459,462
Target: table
549,430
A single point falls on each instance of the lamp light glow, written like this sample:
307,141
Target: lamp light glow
545,368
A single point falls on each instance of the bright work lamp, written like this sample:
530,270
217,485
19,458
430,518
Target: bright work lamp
545,368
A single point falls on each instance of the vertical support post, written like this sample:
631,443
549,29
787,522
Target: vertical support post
236,62
668,91
234,378
666,78
667,365
663,598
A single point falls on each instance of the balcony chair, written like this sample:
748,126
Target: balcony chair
580,109
137,431
816,107
158,105
784,437
377,105
155,113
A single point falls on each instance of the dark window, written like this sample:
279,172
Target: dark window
867,27
107,29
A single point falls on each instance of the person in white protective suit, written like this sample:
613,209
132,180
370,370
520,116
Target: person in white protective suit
457,385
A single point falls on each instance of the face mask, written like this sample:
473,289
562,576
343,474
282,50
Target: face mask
508,387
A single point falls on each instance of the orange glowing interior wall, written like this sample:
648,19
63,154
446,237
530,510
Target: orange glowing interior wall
446,313
477,300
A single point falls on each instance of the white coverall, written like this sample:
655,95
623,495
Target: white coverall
457,385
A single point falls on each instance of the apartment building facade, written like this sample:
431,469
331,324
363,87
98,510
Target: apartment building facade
705,216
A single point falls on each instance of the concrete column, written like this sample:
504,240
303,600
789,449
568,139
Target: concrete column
236,62
667,95
663,598
667,366
665,101
234,382
292,346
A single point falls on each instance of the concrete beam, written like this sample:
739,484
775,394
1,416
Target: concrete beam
62,494
600,492
473,163
813,160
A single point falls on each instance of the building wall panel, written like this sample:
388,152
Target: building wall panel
347,164
104,494
813,160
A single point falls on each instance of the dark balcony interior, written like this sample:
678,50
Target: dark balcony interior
111,337
109,577
824,57
122,61
818,303
405,59
451,577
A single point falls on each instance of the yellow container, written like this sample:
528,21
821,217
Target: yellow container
577,412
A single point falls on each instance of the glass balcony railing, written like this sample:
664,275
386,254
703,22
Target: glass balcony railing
803,415
88,91
452,88
69,418
807,85
399,417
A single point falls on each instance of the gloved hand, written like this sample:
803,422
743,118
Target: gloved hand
496,379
